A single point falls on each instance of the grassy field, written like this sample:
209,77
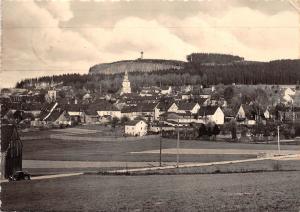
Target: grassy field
270,191
121,151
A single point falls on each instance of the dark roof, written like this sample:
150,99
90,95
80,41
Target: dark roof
229,112
290,109
165,105
54,115
76,107
134,122
177,115
103,106
186,105
165,87
91,112
129,109
146,107
208,110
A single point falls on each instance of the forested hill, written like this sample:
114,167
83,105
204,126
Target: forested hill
200,68
140,65
246,72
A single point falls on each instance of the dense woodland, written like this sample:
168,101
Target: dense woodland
194,72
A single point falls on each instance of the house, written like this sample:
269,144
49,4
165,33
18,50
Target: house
131,112
54,114
11,150
296,101
288,95
136,128
181,118
58,117
201,101
191,107
91,116
87,97
247,115
172,108
157,127
289,114
76,112
166,90
148,110
105,108
241,114
211,114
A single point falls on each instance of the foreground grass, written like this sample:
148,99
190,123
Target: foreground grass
272,191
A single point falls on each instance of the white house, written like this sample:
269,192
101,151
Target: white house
106,109
241,114
212,114
288,95
173,108
136,128
166,90
192,107
109,112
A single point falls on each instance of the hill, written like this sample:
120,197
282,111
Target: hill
140,65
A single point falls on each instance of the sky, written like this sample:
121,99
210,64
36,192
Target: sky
55,37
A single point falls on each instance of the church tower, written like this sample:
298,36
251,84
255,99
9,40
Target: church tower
126,84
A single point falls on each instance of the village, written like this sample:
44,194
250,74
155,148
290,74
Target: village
150,106
188,110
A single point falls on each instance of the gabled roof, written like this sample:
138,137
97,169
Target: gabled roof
165,87
186,105
200,100
103,106
208,110
146,107
54,115
76,107
134,122
165,105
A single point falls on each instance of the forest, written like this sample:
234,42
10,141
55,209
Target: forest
194,72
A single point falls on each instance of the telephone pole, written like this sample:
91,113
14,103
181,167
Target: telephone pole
177,148
160,144
278,139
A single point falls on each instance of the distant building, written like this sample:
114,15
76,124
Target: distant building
136,128
212,114
166,90
125,85
11,150
52,95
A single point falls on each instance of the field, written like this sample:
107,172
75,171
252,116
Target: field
269,191
48,155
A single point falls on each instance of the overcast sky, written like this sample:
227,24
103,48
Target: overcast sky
45,38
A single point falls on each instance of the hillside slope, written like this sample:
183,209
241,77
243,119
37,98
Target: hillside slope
144,65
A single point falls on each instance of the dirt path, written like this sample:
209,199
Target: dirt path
182,151
86,164
188,165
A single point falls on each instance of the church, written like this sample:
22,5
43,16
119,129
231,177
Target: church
126,89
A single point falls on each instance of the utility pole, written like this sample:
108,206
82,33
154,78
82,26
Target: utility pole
177,156
278,139
160,144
